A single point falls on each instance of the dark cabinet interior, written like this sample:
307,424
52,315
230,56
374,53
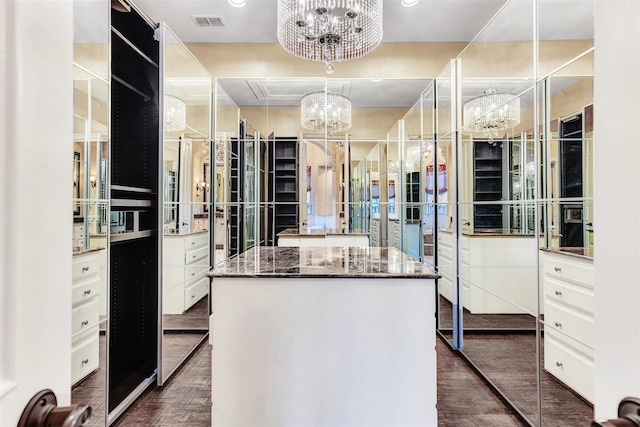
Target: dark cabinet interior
487,184
413,196
571,181
134,145
283,186
236,183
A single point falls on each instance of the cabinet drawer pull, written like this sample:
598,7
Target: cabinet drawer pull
193,256
558,325
85,269
559,293
193,274
193,243
87,292
85,361
558,269
559,364
85,323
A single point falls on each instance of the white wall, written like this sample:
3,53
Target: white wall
617,203
36,87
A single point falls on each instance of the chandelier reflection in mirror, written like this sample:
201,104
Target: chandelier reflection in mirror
491,113
329,30
320,110
175,113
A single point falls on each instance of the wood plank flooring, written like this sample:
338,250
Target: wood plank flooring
463,398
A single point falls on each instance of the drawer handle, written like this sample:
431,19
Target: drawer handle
559,364
558,325
193,274
85,362
193,243
85,269
193,296
87,292
85,323
558,269
193,256
559,293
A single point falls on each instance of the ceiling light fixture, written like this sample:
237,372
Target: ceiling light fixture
236,3
325,110
329,31
491,113
409,3
175,113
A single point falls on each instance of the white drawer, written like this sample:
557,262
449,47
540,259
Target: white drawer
84,359
85,265
84,316
172,276
194,273
571,322
569,268
196,241
195,293
85,290
570,367
569,293
195,255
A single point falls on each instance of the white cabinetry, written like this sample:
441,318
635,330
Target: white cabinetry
569,322
499,274
185,262
85,314
393,240
445,264
374,234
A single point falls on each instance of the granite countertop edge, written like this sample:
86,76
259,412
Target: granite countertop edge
212,274
559,251
86,251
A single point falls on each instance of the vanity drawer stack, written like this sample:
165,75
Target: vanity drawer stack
185,264
374,236
84,315
569,321
445,264
393,240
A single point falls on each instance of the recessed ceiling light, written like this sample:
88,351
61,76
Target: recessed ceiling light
376,80
236,3
409,3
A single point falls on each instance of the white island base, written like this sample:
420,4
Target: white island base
318,351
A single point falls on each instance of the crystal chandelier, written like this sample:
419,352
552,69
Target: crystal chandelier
491,113
175,113
320,110
329,30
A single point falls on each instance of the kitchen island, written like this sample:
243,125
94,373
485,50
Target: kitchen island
323,336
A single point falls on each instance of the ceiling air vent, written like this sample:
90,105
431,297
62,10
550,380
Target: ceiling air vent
208,21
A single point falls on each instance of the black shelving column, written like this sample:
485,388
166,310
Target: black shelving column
413,196
135,149
283,188
236,176
487,184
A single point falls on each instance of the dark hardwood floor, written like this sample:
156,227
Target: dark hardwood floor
463,398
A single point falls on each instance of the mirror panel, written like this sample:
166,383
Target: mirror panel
497,247
187,179
567,249
91,229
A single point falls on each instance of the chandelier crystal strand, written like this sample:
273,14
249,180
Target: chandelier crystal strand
320,110
491,113
329,31
175,113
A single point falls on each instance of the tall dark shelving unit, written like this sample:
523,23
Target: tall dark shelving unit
487,184
571,181
135,182
413,196
236,181
283,186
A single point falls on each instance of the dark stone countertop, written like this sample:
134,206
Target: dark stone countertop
327,262
316,232
80,251
578,252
